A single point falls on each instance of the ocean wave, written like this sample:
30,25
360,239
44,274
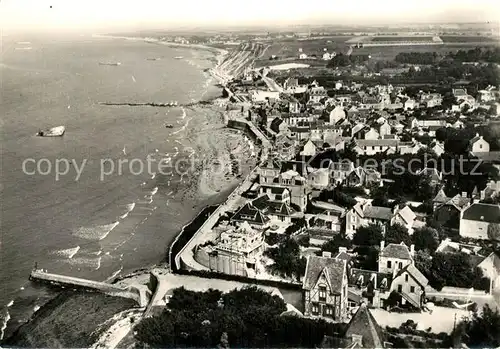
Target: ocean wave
154,191
181,129
115,274
98,263
130,208
88,263
95,233
68,253
3,326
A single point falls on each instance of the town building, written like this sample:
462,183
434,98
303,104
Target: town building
476,219
363,214
325,287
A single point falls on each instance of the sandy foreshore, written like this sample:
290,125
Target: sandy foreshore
224,157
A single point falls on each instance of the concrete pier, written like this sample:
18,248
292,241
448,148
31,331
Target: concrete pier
73,282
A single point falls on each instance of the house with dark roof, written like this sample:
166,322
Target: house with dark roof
476,219
396,273
448,213
363,214
363,331
250,214
325,287
274,210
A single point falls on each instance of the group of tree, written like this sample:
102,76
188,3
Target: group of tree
490,55
452,269
287,261
245,318
338,197
424,58
480,331
342,60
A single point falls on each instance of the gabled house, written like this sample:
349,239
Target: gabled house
309,149
363,214
340,170
447,210
325,287
363,177
478,145
274,210
476,219
491,269
433,174
336,115
250,214
363,331
437,147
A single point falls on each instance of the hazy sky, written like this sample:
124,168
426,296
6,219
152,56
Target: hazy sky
97,14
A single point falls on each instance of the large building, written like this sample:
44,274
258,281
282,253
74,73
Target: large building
325,287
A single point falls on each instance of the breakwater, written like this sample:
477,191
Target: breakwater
186,234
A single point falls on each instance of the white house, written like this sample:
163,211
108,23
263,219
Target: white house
478,145
476,219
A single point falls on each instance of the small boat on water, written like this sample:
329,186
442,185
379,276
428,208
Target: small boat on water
169,126
154,59
57,131
178,57
109,63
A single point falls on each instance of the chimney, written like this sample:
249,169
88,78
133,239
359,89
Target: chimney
327,254
412,249
342,249
382,245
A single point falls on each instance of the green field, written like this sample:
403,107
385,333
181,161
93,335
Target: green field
468,39
390,52
289,48
400,38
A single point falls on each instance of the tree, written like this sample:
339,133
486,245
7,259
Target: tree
425,238
423,261
333,244
370,235
481,331
494,231
397,234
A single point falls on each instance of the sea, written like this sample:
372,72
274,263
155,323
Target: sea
81,222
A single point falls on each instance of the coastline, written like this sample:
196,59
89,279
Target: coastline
222,76
204,189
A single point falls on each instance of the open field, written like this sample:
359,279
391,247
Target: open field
390,52
400,38
469,39
289,48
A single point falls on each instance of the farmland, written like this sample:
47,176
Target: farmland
400,38
290,47
469,39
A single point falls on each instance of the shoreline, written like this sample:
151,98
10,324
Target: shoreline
222,77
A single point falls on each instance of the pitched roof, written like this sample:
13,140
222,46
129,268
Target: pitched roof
482,212
364,324
377,142
400,251
333,269
376,212
415,273
441,197
363,277
407,214
249,213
